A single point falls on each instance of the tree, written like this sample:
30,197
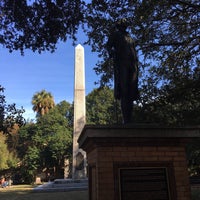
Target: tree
102,108
67,111
7,159
166,32
42,102
163,30
57,136
28,149
167,43
9,114
38,25
10,120
45,144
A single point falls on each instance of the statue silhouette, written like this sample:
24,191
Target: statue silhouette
121,48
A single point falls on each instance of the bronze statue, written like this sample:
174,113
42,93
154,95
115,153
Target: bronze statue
121,48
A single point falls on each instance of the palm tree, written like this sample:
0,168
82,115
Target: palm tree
42,102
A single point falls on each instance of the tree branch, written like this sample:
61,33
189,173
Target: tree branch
196,6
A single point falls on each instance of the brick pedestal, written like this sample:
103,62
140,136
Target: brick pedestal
138,162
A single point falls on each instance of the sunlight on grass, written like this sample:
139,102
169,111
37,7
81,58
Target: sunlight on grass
25,193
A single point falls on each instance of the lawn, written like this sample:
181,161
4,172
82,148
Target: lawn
26,193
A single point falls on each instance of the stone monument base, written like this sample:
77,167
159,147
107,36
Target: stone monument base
137,162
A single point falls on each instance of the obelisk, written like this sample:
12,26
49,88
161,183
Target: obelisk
79,156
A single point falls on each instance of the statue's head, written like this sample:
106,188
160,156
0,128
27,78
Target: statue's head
122,24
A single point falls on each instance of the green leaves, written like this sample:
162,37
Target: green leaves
7,159
102,108
46,143
9,114
56,133
166,33
38,25
42,102
32,158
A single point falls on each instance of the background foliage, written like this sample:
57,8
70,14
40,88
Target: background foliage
44,145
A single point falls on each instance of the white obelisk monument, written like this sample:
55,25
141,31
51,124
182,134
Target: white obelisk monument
79,156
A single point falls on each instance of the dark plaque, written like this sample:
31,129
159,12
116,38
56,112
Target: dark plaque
144,183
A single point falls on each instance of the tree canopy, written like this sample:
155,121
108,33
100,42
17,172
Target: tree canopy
166,35
38,24
42,102
7,159
44,145
166,32
102,108
9,114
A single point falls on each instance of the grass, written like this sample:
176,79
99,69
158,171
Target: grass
24,192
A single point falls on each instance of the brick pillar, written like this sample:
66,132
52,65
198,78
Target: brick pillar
139,162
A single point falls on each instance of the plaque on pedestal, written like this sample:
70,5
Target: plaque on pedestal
144,183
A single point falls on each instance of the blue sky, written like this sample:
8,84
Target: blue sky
23,76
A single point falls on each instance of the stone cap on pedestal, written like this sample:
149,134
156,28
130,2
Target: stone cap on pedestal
134,135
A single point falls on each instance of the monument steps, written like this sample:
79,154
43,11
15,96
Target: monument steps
63,185
70,182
